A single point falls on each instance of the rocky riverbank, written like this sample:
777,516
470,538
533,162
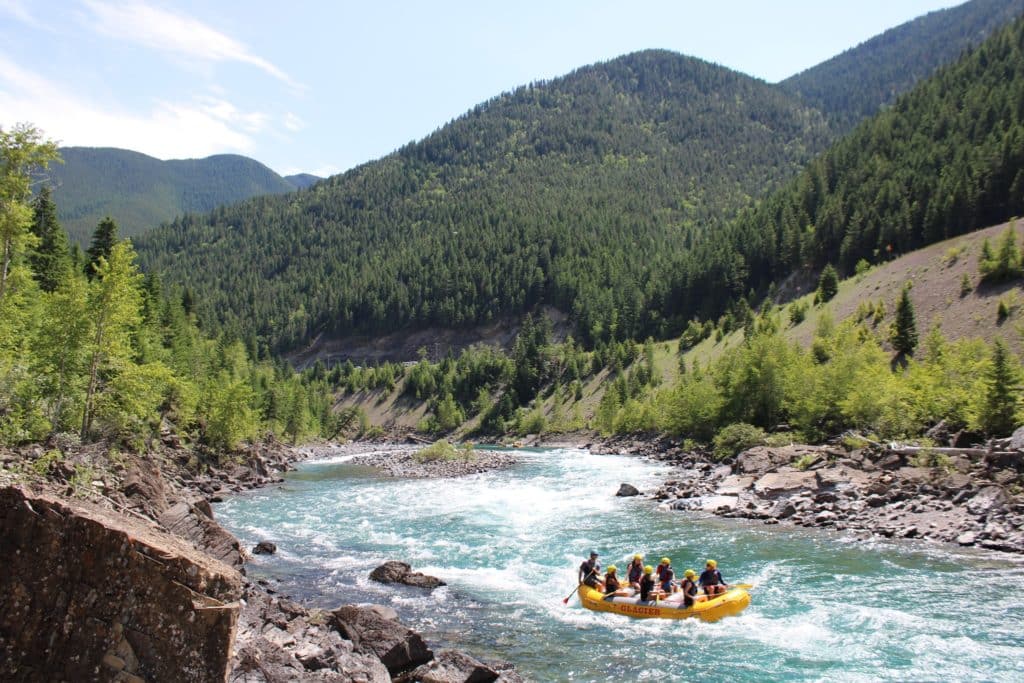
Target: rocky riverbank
964,496
408,461
156,508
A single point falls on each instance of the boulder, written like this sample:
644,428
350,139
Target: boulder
762,459
987,499
397,647
841,477
735,484
394,571
627,490
127,600
775,484
264,548
1017,439
718,503
452,666
890,461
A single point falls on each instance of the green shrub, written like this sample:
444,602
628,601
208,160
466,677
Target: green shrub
805,461
439,450
853,442
736,438
779,439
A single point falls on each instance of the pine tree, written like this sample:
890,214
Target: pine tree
828,283
998,414
904,334
50,260
103,240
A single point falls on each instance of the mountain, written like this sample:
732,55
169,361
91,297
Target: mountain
855,84
141,192
302,180
609,194
575,192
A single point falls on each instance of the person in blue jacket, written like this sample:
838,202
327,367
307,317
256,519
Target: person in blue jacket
711,580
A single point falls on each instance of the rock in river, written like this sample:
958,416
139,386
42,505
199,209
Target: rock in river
626,490
399,572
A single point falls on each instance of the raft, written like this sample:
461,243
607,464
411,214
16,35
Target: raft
729,603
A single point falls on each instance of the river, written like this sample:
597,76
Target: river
825,606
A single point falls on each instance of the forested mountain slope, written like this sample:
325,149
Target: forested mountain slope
576,192
855,84
140,192
946,159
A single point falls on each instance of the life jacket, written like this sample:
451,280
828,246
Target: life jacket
689,587
711,577
635,571
611,583
646,585
667,576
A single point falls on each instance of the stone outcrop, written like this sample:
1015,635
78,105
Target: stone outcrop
87,595
627,490
394,571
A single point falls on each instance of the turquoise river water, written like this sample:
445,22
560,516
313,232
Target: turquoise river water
825,606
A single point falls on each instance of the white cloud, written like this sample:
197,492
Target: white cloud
197,128
156,28
293,123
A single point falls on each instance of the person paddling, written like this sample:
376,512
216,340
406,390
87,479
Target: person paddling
635,571
646,584
712,581
589,572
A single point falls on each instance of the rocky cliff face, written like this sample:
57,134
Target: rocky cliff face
89,595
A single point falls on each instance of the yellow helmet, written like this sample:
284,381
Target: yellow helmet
648,569
665,560
638,556
689,573
612,568
712,564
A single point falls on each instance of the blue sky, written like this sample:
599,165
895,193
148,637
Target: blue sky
324,86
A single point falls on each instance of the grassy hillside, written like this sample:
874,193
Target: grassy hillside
857,83
141,192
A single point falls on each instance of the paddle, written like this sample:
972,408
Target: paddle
565,600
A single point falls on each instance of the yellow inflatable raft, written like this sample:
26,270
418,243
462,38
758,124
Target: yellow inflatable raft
729,603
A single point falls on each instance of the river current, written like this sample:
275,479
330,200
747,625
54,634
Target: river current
825,607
